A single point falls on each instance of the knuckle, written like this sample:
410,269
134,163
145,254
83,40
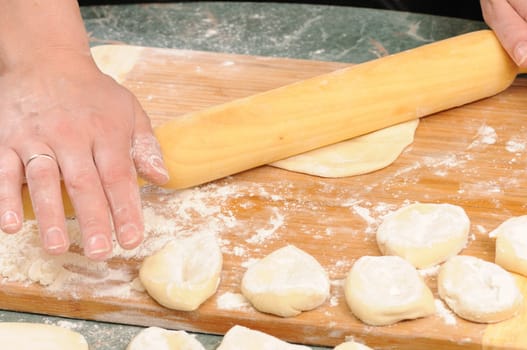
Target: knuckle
116,175
80,180
91,224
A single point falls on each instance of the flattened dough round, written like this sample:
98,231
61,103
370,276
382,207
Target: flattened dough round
478,290
286,282
185,273
238,338
511,244
382,290
424,234
351,345
31,336
356,156
163,339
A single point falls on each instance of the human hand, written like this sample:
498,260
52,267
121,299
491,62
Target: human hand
508,19
95,134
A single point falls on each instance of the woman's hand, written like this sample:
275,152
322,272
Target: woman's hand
60,117
71,121
508,19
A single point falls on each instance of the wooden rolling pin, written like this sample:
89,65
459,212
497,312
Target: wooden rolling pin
260,129
245,133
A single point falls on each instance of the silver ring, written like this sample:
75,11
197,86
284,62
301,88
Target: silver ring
40,155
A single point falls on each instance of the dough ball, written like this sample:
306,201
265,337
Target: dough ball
185,273
31,336
351,345
381,290
286,282
478,290
162,339
356,156
238,338
424,234
511,244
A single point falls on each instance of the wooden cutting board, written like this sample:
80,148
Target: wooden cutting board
474,156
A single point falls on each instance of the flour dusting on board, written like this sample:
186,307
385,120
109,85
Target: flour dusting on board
277,220
170,215
515,146
233,301
443,312
371,213
486,136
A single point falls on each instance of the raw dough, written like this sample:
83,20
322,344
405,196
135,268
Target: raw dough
116,60
185,273
286,282
242,338
356,156
381,290
31,336
155,338
351,345
424,234
511,244
478,290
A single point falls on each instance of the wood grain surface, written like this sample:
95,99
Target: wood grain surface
474,156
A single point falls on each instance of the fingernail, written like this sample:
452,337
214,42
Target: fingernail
55,240
98,246
129,236
9,221
520,53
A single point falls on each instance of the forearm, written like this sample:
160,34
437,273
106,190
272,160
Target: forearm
32,30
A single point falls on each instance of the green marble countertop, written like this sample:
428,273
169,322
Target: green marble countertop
317,32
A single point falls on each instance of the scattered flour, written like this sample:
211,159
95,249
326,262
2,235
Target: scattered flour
431,271
481,229
238,251
364,213
445,161
232,301
514,146
486,135
276,221
171,214
482,188
68,324
444,313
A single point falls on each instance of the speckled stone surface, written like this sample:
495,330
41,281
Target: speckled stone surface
329,33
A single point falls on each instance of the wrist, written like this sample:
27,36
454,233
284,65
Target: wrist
40,30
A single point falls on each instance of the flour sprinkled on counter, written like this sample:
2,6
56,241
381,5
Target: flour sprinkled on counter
486,135
167,214
515,146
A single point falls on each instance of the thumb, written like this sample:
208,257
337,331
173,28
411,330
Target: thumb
146,151
509,25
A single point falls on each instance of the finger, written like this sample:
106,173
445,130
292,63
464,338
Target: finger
146,151
510,28
82,182
520,7
119,181
43,180
11,179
